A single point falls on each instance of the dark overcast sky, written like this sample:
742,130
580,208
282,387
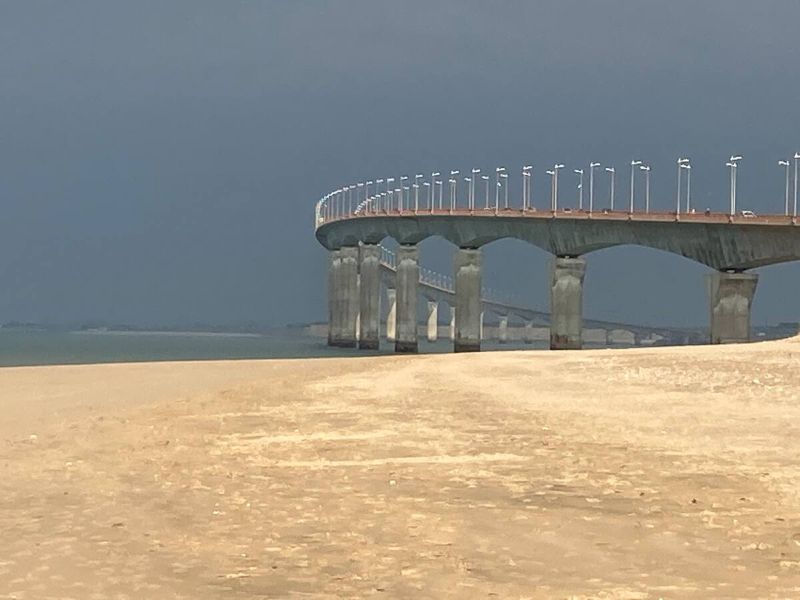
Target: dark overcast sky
159,161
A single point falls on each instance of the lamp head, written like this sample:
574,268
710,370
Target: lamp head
594,164
578,171
735,158
610,169
635,163
783,163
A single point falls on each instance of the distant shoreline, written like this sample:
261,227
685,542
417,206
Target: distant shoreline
168,333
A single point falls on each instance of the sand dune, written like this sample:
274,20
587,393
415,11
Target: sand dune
642,473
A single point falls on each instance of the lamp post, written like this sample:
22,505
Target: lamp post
453,192
796,159
552,184
733,164
441,192
473,184
402,190
579,172
504,177
612,172
366,189
785,164
634,164
434,175
681,163
556,168
427,184
415,185
486,180
497,172
592,166
688,168
468,181
389,193
646,169
526,187
377,206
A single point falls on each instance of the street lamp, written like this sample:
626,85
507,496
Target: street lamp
579,172
402,190
434,175
497,172
468,181
733,164
453,196
785,163
611,171
555,185
688,168
505,186
646,169
634,164
486,179
526,187
441,192
427,184
415,185
552,185
592,166
682,162
796,159
474,182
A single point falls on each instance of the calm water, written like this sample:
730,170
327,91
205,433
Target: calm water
20,348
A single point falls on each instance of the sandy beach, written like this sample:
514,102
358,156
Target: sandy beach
641,473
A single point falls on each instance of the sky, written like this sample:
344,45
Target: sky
159,161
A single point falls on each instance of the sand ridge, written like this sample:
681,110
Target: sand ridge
644,473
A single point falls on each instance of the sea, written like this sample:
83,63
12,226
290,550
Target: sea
32,347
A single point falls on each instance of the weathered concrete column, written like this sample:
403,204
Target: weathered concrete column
527,333
731,296
453,324
433,320
407,283
480,329
502,330
468,315
370,292
566,303
343,297
391,318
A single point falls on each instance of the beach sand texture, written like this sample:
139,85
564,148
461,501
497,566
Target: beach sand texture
641,473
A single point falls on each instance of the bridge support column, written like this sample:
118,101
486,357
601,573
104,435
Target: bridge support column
502,330
731,296
391,317
527,333
370,293
343,297
433,320
453,324
407,283
468,315
566,303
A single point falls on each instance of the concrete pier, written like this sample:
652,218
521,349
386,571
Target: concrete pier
468,315
370,295
407,283
730,299
433,320
566,303
391,317
502,330
343,297
527,333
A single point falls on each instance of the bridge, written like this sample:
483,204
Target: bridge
730,244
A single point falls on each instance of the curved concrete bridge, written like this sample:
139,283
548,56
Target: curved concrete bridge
728,244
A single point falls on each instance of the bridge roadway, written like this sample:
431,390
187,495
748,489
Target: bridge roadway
729,244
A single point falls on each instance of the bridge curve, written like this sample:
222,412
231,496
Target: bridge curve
724,244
